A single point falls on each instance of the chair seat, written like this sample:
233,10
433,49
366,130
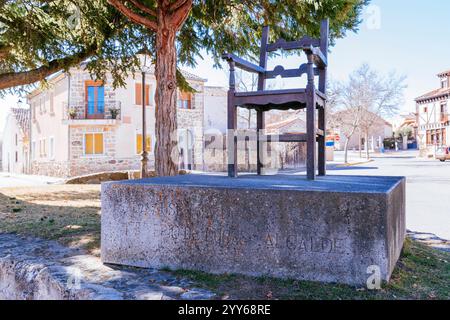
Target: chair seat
276,99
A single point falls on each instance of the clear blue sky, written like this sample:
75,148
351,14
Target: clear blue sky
411,37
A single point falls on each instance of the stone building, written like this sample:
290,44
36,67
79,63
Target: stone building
15,146
379,130
432,117
279,155
80,126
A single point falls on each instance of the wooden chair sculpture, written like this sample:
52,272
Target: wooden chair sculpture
263,100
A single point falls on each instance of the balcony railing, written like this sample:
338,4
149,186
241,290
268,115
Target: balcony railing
110,111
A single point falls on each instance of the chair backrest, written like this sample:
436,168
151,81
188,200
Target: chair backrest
305,43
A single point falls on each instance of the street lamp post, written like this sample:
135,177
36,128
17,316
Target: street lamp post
144,159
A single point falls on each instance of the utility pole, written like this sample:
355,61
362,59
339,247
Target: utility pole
144,160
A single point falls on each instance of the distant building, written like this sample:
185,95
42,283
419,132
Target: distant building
216,111
432,117
409,121
380,130
80,126
15,146
1,150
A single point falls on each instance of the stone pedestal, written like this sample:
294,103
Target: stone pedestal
327,230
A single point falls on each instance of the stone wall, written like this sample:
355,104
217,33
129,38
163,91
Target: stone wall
51,168
192,120
78,94
280,155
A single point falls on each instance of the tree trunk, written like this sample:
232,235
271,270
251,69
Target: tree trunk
359,145
166,151
346,151
367,145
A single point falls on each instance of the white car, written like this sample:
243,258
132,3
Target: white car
443,153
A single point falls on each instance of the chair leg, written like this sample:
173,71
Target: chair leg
231,138
322,147
311,136
259,154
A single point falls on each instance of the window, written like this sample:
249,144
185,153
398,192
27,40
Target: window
17,156
185,100
95,100
138,94
444,83
93,143
139,143
425,109
42,148
16,140
51,142
33,149
52,102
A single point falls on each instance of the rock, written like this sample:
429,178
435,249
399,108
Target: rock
333,229
197,294
34,269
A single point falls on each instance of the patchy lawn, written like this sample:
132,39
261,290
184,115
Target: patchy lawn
421,273
67,213
71,215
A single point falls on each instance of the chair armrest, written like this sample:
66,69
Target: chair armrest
242,64
319,58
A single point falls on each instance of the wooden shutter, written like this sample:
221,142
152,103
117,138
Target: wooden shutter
138,143
89,143
186,96
138,93
148,143
98,143
147,95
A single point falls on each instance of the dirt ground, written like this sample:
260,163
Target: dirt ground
67,213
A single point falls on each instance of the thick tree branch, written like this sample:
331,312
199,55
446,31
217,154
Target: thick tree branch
4,51
179,16
13,79
176,5
133,16
143,8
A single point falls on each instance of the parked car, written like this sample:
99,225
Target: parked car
443,153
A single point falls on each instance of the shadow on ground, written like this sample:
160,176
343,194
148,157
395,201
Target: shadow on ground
69,214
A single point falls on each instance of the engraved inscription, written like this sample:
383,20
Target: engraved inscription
223,238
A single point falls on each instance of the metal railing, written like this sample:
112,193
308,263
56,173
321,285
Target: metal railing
111,110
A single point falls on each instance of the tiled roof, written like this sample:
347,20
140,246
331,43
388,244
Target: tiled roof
151,70
434,94
290,125
445,73
192,76
22,117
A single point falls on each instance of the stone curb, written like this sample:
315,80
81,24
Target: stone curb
36,269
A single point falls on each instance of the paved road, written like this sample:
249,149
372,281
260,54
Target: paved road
19,180
427,188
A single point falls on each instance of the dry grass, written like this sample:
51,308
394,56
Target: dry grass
71,215
67,213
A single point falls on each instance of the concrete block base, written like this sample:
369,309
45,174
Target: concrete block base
328,230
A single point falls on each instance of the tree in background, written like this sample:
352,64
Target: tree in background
40,37
404,133
173,32
183,27
366,97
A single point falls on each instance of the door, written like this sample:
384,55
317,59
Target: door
95,100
